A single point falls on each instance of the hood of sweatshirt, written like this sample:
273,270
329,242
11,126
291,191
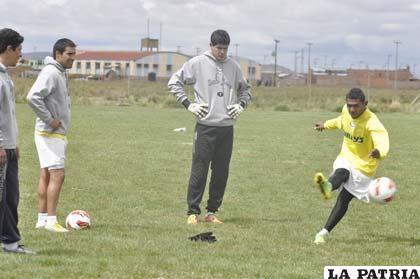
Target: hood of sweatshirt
208,54
2,68
51,61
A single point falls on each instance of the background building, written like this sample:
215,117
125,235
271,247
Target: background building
363,77
138,65
127,64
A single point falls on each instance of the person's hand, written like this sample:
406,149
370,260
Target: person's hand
55,124
199,110
375,154
3,156
319,127
235,110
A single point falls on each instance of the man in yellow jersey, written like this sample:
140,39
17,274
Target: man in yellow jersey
50,100
365,143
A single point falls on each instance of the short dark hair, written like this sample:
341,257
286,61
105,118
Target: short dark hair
220,37
9,37
61,45
356,93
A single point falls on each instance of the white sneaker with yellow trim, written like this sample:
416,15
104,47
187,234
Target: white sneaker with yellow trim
56,228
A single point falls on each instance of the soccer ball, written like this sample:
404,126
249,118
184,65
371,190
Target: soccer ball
382,190
78,220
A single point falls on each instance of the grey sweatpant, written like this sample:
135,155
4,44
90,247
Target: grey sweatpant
211,145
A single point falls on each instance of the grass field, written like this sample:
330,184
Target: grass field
129,170
289,98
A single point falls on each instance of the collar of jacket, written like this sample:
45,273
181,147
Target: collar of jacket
51,61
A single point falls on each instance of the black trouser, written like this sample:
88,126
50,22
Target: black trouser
339,177
9,190
211,144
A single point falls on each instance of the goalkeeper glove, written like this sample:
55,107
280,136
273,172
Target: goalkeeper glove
235,110
199,110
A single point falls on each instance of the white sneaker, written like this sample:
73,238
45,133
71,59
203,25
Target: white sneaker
321,237
56,228
40,225
19,250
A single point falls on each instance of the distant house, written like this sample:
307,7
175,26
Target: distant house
100,63
361,77
284,76
148,63
138,65
250,68
20,71
35,60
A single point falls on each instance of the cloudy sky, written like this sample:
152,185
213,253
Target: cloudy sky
353,33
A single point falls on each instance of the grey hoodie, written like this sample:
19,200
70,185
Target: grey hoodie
49,97
216,83
8,124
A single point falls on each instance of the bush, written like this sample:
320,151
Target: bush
281,108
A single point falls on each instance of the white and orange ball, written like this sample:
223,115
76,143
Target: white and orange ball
78,220
382,190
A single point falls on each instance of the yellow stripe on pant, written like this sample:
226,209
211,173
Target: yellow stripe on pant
51,135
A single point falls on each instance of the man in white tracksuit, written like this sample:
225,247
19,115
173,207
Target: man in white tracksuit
50,100
221,94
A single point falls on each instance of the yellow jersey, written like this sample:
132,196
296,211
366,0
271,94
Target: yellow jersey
361,135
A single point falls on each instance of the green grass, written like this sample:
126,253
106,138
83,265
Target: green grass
290,98
129,170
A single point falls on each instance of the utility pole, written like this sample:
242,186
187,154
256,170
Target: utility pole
396,64
332,71
160,36
148,28
309,69
197,51
387,68
296,58
178,49
325,61
236,49
302,57
368,82
332,64
275,62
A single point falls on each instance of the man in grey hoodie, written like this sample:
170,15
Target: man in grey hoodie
50,100
221,94
10,52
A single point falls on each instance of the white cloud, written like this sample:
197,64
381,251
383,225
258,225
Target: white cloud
149,6
415,7
54,2
391,27
361,29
